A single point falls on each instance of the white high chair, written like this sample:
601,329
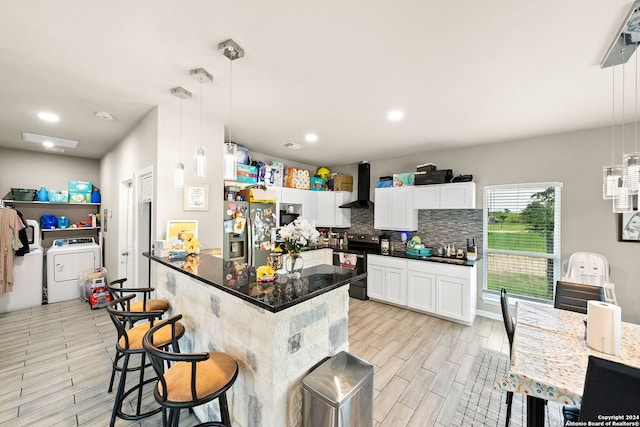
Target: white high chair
591,269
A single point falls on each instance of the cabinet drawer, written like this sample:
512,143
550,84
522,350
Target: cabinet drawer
385,261
462,272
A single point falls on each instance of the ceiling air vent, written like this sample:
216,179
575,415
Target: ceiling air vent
292,146
58,142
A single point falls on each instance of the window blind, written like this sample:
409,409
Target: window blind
522,239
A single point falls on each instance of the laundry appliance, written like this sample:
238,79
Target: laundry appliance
27,275
66,260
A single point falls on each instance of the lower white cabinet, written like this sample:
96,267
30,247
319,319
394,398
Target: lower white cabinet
387,279
421,290
441,289
317,257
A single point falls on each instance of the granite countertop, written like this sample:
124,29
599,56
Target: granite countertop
239,279
442,260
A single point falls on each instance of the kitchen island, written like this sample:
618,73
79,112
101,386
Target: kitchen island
277,331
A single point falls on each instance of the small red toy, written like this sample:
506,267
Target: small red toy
99,297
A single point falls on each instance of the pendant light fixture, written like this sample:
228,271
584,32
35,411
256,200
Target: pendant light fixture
233,51
623,200
201,75
612,174
178,174
624,45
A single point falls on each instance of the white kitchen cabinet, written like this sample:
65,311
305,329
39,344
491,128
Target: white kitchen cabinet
325,207
421,287
315,257
343,216
292,196
328,211
310,206
394,210
387,279
441,289
459,195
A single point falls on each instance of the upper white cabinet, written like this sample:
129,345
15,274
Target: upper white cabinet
459,195
393,209
323,207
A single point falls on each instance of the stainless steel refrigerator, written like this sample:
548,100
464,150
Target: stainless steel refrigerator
249,231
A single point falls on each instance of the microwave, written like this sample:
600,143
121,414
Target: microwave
287,218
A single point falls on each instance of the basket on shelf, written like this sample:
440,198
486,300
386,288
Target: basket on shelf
23,194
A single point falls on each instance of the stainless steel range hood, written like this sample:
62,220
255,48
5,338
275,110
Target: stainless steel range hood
364,184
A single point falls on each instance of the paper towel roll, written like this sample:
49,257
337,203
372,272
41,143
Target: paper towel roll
603,327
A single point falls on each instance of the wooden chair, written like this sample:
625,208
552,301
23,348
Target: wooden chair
610,388
130,344
192,380
510,328
574,296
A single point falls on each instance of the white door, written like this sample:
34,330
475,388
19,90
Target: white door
452,296
125,244
326,208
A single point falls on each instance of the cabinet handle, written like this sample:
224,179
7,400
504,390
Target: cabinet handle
125,253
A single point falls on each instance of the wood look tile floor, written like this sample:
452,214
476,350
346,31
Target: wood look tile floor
55,364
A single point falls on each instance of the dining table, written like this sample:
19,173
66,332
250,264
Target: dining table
549,357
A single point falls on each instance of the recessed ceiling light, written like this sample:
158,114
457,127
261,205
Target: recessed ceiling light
103,115
395,115
311,137
48,144
48,117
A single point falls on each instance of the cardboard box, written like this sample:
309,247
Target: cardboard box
342,182
80,186
59,196
79,197
258,195
318,184
401,179
246,173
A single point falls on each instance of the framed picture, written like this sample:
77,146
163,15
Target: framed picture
629,230
175,227
196,197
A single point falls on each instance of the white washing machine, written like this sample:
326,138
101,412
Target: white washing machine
27,275
66,259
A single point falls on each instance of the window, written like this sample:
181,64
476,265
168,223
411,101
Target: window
521,225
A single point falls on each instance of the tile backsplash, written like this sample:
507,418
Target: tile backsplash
436,227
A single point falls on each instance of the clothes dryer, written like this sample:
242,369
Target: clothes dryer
66,259
27,275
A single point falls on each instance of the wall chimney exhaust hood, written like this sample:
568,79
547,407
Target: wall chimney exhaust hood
364,181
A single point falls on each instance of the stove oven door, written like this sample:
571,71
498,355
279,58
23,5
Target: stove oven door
357,261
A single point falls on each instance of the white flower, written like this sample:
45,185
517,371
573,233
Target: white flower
299,234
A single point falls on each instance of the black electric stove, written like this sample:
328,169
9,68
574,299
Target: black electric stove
355,256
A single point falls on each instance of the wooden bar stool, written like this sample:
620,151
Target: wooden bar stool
192,380
117,290
130,344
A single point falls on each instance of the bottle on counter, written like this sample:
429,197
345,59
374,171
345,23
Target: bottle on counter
345,241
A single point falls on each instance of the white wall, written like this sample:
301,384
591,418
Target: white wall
134,153
576,159
169,200
32,169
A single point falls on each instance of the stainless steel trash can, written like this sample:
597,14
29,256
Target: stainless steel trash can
339,393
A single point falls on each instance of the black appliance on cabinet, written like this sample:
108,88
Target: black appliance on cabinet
287,218
355,256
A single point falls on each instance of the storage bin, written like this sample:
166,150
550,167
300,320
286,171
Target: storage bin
23,194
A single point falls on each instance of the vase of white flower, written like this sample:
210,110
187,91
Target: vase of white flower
297,235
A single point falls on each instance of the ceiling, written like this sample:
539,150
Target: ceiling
463,72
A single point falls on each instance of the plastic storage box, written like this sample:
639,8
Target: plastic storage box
23,194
